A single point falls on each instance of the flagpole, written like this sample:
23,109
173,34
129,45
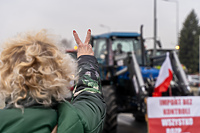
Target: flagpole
170,91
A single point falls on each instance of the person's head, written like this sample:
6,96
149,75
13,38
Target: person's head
119,46
32,66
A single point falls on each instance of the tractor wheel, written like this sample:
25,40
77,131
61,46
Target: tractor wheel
110,125
139,117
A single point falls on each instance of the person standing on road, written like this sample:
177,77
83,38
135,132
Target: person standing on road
35,78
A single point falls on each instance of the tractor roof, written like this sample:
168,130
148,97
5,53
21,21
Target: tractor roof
117,34
163,49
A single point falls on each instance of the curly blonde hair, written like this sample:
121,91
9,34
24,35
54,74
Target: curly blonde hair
32,66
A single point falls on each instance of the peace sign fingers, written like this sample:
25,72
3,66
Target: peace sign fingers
83,48
76,37
87,39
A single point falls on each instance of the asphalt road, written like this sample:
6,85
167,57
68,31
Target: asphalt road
127,124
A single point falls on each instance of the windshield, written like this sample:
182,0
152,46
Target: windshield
118,46
128,45
159,53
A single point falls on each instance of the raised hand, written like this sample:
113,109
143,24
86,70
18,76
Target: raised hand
83,48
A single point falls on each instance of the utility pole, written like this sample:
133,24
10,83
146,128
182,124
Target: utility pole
155,29
177,19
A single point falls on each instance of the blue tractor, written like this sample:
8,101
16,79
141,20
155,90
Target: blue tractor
128,77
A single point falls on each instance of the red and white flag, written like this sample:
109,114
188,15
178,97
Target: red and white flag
164,78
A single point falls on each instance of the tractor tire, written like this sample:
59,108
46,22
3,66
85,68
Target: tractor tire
110,125
139,117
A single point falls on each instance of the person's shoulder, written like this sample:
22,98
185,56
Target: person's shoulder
26,118
32,111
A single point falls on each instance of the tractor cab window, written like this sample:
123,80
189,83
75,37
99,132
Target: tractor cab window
128,45
100,50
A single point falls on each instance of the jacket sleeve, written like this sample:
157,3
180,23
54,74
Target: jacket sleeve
88,101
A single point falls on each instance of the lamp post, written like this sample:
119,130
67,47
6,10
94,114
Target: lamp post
177,19
104,26
155,28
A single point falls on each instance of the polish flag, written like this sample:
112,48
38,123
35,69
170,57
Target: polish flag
164,78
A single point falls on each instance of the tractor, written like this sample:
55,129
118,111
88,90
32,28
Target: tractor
128,75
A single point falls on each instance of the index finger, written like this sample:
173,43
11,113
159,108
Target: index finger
76,37
87,39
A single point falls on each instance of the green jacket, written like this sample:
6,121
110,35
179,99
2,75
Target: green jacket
85,113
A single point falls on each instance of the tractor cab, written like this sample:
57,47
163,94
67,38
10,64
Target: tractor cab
115,50
110,45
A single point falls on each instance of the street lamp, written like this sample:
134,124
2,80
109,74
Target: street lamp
177,18
155,23
104,26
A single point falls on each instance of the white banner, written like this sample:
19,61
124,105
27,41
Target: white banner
161,107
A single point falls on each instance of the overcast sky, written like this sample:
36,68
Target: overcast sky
62,16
